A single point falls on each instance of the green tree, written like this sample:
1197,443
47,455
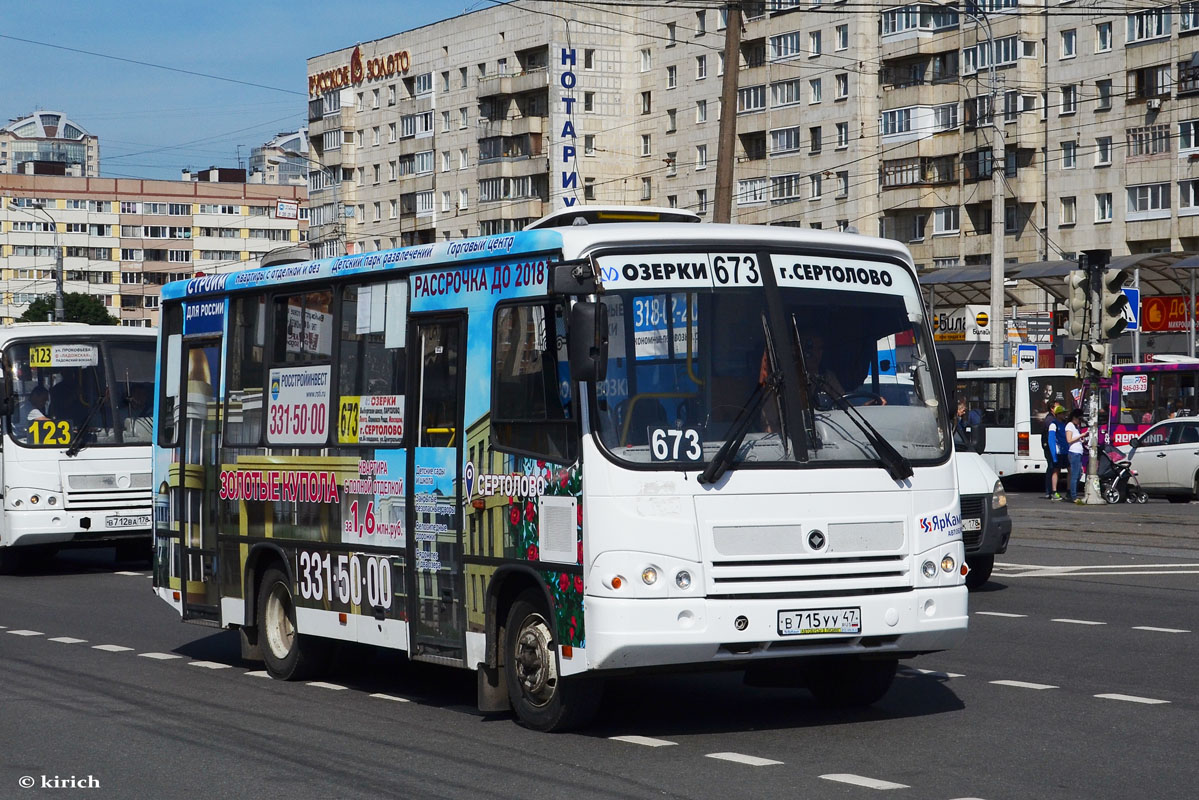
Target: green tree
76,308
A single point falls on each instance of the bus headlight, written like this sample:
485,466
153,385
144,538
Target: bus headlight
682,579
649,576
948,564
998,496
929,569
34,499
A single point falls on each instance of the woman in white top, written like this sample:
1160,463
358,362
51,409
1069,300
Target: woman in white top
1074,451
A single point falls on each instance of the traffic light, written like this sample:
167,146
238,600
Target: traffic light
1092,360
1112,302
1078,301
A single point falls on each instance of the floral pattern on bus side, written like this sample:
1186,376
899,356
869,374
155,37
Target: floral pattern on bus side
566,588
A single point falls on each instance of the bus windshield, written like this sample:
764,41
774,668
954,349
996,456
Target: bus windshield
73,393
688,370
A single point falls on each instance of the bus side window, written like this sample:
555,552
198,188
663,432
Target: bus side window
530,413
372,362
244,373
169,376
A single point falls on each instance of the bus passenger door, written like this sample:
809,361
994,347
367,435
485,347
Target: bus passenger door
436,611
199,444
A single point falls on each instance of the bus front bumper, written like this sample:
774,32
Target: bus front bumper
639,633
24,527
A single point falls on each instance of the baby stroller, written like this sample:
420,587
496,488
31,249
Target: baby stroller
1117,479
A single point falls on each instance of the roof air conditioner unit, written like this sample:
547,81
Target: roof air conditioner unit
1154,103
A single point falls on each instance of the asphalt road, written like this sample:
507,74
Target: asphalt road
1077,680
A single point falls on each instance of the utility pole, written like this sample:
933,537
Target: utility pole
60,313
998,167
726,147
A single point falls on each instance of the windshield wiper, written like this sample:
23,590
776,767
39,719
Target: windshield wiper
724,456
81,431
898,467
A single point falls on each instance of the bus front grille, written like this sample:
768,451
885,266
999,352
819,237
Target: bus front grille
844,574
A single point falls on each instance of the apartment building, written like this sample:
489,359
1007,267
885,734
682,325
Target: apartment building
48,139
881,119
122,239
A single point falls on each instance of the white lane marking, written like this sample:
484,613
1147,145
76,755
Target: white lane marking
322,685
859,780
207,665
134,574
393,698
258,673
1024,685
112,648
66,640
934,673
1131,698
26,633
642,740
1078,621
158,656
1094,566
740,758
3,627
1158,630
1000,614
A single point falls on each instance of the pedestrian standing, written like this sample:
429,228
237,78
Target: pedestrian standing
1049,446
1074,451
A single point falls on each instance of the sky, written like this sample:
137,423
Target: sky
154,123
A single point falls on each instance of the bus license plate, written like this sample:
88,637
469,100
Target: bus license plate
972,524
818,621
123,521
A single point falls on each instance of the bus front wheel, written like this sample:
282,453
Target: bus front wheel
288,654
543,699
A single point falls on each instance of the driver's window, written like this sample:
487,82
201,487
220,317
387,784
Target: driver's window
1157,437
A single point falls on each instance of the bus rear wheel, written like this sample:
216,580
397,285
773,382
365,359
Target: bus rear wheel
849,681
288,654
542,698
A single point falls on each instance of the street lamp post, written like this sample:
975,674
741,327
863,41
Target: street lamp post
59,309
334,184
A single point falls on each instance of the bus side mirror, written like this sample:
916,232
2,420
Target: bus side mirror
949,379
588,341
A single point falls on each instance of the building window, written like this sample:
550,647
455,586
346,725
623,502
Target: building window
784,140
1069,155
1103,207
842,37
1103,37
701,67
814,140
752,191
784,46
646,102
1103,151
843,184
1188,17
841,81
813,91
1188,134
701,23
1152,23
463,199
1066,215
751,98
647,61
701,110
842,135
1069,43
646,188
814,186
813,44
646,145
672,164
701,157
1148,140
897,121
589,101
1148,201
1188,197
589,58
701,201
945,220
945,117
393,209
672,76
1104,88
672,120
784,93
589,188
1069,100
589,144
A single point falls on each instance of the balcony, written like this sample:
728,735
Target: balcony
517,83
516,126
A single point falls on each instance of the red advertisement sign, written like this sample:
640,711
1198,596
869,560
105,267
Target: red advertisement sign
1164,314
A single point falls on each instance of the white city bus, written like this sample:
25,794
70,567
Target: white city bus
563,454
1004,412
77,444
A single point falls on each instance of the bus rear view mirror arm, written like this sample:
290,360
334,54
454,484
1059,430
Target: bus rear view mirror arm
588,341
573,278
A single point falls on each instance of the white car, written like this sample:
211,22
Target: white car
1166,458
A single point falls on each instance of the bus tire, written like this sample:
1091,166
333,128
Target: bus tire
288,654
980,571
849,681
542,700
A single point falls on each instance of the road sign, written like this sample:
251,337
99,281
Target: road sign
1026,356
1132,312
